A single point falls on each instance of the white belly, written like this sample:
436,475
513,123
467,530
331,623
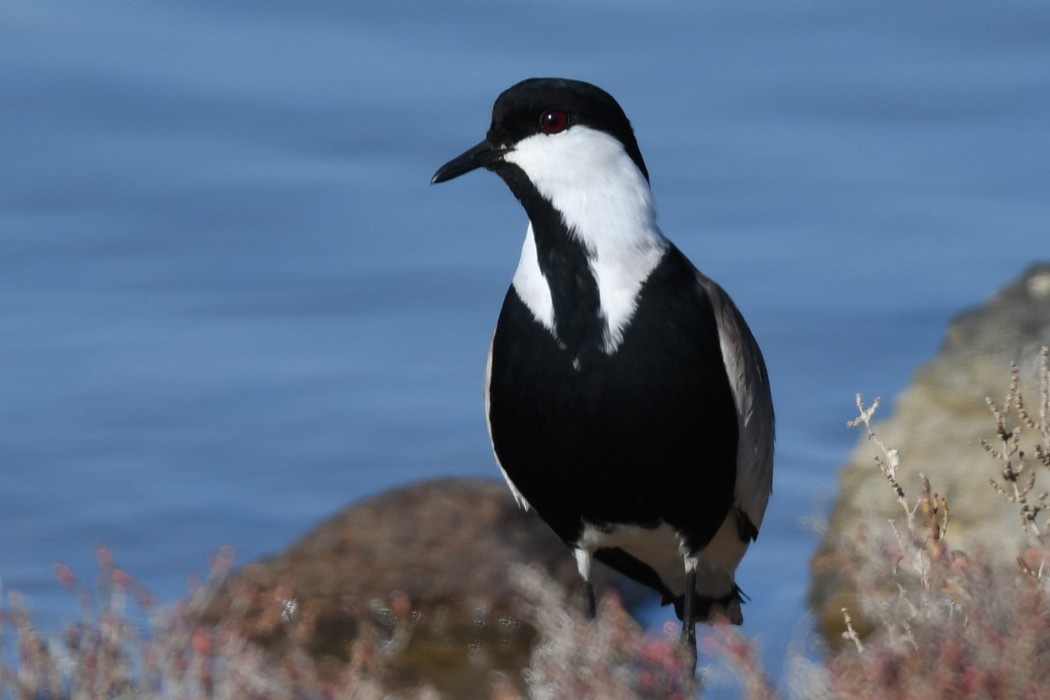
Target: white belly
663,550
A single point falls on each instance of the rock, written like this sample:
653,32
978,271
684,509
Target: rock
428,564
937,428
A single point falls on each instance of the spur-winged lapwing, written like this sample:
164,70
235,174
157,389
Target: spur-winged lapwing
627,400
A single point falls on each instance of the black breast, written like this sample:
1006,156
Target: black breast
645,434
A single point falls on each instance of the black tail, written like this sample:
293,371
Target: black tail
707,607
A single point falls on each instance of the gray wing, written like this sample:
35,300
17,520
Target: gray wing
754,403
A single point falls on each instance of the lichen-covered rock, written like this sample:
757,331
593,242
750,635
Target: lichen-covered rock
426,569
937,428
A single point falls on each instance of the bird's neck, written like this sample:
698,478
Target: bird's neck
587,253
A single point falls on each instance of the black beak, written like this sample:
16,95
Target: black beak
482,155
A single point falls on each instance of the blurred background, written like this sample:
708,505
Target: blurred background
231,304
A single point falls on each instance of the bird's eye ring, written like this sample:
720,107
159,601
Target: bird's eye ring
554,121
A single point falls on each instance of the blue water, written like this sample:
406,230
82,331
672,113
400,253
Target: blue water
231,304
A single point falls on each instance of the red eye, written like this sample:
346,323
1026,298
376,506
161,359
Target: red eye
554,121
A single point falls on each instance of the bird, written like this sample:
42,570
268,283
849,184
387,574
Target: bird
627,400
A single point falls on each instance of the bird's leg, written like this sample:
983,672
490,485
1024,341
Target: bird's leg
590,609
689,610
583,564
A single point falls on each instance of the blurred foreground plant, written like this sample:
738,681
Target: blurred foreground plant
106,655
179,655
941,623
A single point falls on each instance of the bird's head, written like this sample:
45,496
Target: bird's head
568,153
558,132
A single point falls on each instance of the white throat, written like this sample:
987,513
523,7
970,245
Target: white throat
531,285
607,205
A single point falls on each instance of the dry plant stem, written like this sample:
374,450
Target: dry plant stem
920,544
1015,470
934,509
888,467
1042,450
1042,447
850,633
